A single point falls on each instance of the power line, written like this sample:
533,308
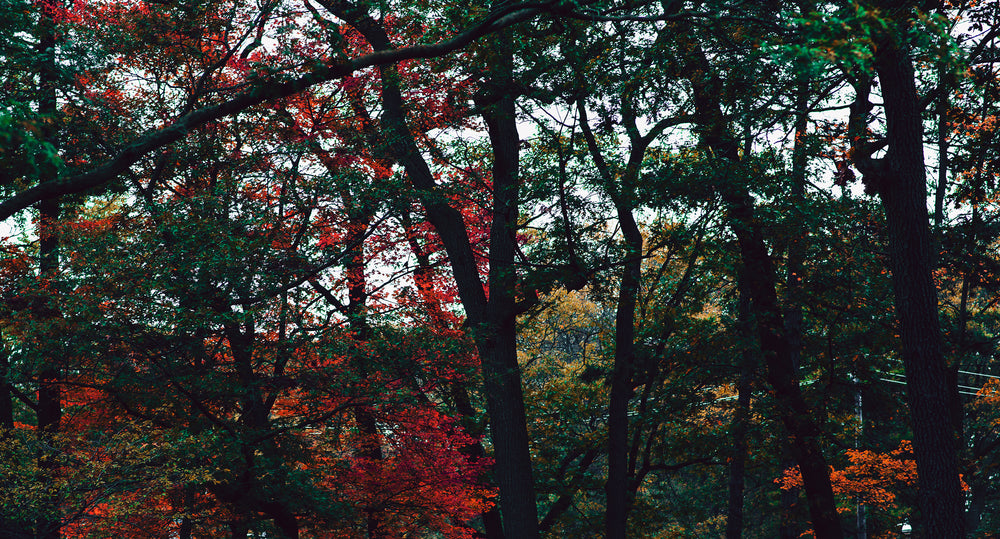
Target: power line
979,374
970,373
903,383
903,376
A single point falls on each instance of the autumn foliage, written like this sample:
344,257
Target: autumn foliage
419,268
870,478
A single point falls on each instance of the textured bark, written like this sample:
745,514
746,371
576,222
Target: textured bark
900,181
492,320
617,486
504,394
760,279
49,412
422,276
744,387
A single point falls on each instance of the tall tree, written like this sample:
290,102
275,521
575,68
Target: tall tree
492,318
899,180
761,281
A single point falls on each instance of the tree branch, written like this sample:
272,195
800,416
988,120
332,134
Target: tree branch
261,92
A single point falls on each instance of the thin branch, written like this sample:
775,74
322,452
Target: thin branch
261,92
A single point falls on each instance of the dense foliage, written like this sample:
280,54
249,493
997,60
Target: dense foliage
330,268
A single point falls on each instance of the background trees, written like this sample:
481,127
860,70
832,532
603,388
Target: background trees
372,269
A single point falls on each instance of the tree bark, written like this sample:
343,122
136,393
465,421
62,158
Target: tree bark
6,399
501,372
492,320
790,526
49,413
795,414
760,285
900,181
422,276
616,487
621,189
737,463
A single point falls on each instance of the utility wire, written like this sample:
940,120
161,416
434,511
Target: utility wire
903,383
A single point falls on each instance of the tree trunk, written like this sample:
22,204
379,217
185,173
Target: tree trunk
760,285
901,185
49,413
790,526
616,488
9,528
422,276
364,412
492,320
737,464
247,494
619,488
501,372
781,376
492,522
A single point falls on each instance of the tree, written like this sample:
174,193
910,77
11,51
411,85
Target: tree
275,268
899,180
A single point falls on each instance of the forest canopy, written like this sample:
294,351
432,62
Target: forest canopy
568,268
